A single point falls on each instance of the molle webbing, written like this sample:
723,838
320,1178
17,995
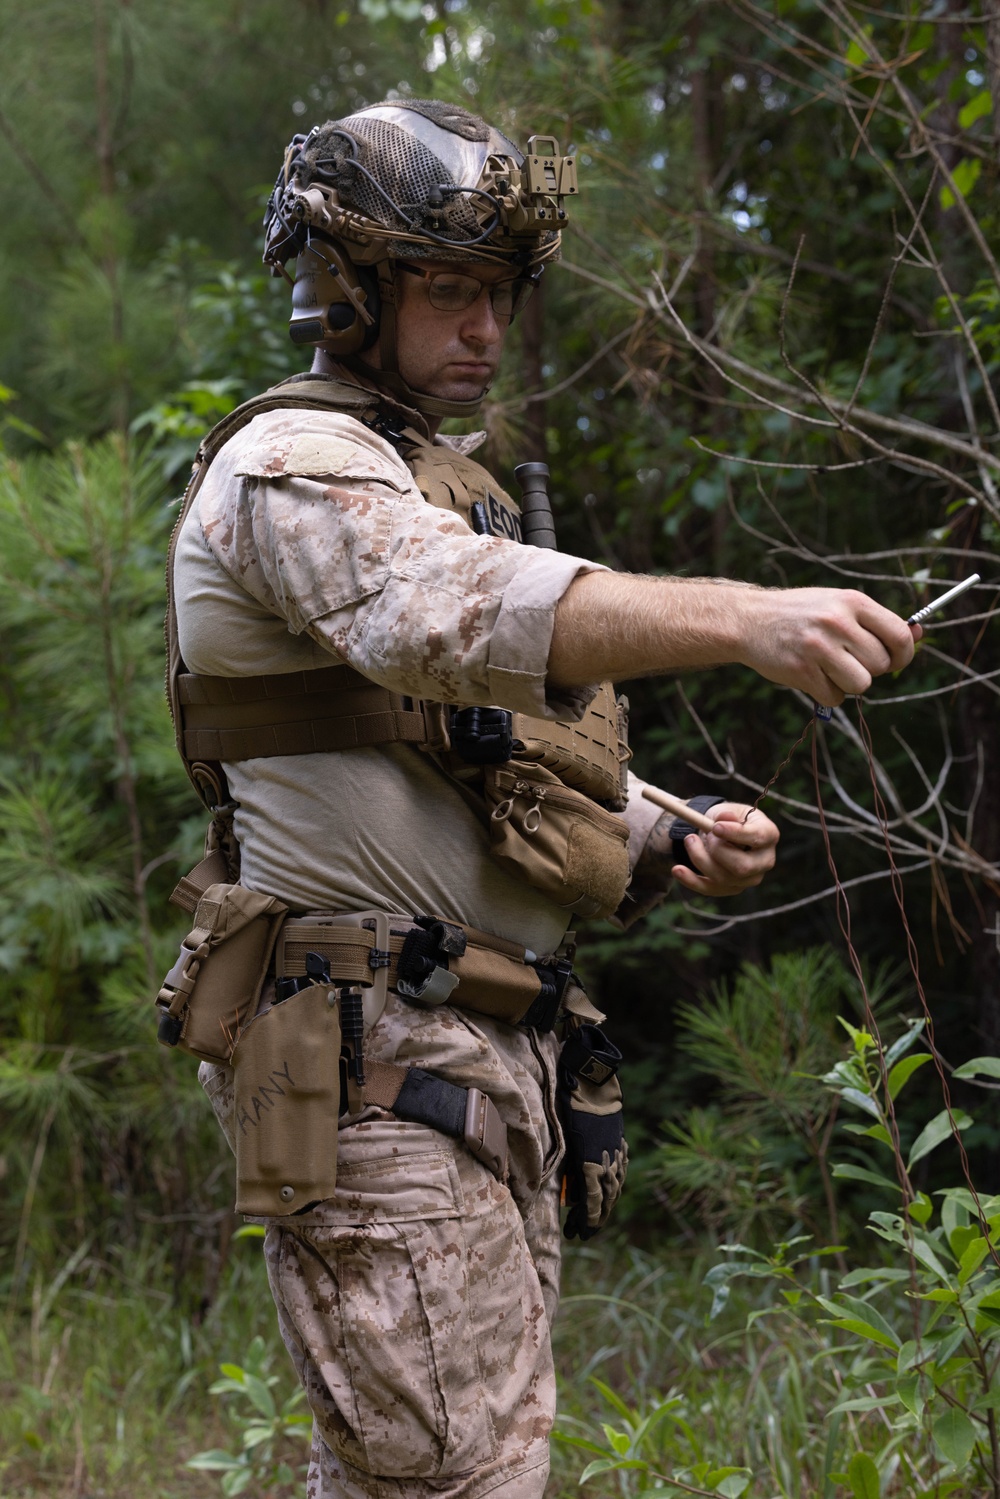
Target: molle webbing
292,713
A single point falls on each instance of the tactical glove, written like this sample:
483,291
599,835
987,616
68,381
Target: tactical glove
590,1111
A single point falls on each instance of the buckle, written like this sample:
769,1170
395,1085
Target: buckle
182,977
486,1133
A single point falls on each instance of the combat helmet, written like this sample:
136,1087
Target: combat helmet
405,180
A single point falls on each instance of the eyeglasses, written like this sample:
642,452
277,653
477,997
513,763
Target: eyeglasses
449,291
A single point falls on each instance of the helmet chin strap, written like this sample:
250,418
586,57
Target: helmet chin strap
387,377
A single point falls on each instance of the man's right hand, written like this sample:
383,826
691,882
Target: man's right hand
827,642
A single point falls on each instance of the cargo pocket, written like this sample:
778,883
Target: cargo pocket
411,1352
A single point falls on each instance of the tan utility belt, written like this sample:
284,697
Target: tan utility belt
240,939
283,999
473,970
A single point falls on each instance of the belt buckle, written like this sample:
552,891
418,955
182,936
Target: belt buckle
485,1132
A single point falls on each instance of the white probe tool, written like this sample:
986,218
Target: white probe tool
946,598
678,807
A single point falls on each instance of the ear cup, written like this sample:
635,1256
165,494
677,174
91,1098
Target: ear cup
322,308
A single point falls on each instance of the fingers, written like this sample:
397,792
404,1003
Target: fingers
894,635
735,856
738,823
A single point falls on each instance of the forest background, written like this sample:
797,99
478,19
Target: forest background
770,353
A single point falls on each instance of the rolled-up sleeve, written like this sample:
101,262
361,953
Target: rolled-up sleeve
320,520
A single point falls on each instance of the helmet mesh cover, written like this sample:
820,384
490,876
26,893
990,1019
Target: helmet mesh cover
407,171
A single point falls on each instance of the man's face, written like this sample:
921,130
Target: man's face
451,355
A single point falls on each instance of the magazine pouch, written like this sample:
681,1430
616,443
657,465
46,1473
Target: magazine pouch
557,839
287,1066
213,989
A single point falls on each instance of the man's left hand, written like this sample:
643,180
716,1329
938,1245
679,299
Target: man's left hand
733,857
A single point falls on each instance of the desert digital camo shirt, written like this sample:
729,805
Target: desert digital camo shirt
309,538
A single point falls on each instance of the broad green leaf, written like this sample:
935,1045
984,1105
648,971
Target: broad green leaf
879,1132
253,1436
250,1231
904,1070
617,1439
599,1465
960,1238
979,105
865,1312
860,1100
866,1330
955,1436
928,1258
862,1475
215,1461
847,1172
908,1389
902,1043
911,1353
735,1483
233,1372
934,1133
866,1276
871,1132
965,176
979,1066
865,1403
920,1209
235,1483
971,1260
260,1395
606,1464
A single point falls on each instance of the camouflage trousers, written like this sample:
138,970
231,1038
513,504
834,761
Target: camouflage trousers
416,1306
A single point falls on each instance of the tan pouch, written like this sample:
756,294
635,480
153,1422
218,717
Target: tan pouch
287,1066
590,756
213,988
558,840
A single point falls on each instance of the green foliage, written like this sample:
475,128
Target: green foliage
755,1160
905,1350
108,1375
265,1426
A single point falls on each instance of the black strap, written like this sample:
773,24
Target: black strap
426,1099
679,829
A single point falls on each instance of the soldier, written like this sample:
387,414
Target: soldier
393,707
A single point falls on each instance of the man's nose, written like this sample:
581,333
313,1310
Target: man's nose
480,323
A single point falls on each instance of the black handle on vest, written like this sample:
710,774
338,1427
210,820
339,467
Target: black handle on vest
536,512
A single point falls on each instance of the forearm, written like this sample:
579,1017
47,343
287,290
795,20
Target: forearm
617,625
824,641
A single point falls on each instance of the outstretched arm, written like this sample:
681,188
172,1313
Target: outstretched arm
827,642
